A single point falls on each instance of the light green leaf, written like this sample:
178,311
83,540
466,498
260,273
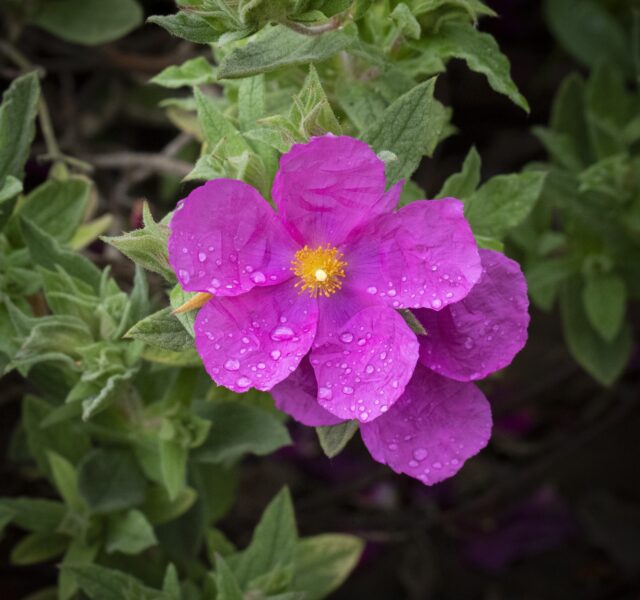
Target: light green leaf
226,582
58,206
239,428
160,509
545,277
215,125
66,481
129,533
480,51
333,438
38,547
605,300
173,464
251,101
46,252
178,297
279,46
171,583
78,553
17,124
90,232
323,563
146,247
274,541
404,20
109,480
463,184
604,361
410,128
188,358
88,22
196,71
162,329
9,190
188,26
503,203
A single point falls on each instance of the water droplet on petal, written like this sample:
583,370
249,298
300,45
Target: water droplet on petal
324,393
202,256
243,382
346,337
275,354
347,390
372,290
282,333
232,365
437,303
258,277
184,276
420,454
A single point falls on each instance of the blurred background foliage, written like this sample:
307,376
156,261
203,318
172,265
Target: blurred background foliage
127,474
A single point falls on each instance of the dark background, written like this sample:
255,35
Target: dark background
550,510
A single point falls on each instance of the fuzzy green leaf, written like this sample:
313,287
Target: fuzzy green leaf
463,184
38,547
605,300
333,438
129,533
163,330
196,71
187,26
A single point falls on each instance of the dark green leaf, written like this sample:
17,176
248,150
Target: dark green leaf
604,361
410,128
605,301
129,533
88,22
188,26
109,480
239,428
9,190
34,514
17,124
100,583
503,203
38,547
463,184
226,582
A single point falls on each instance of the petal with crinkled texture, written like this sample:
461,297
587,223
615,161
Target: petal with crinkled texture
432,430
257,339
225,239
362,363
297,396
329,186
424,255
483,332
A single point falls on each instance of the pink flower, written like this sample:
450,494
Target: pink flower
307,295
442,418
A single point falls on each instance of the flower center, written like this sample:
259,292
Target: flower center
320,270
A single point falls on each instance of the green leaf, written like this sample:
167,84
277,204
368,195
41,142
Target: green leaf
503,203
178,297
188,358
58,206
463,184
279,46
162,329
90,232
88,22
195,71
404,20
66,481
333,438
159,508
226,582
78,553
323,563
129,533
410,128
251,101
38,547
146,247
239,428
34,514
605,300
588,32
46,252
411,320
456,39
171,583
9,190
173,464
188,26
604,361
109,480
274,541
545,277
17,124
100,583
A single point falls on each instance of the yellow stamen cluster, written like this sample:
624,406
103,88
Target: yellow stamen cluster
320,270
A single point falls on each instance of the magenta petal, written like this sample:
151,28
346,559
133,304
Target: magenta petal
297,396
225,239
327,187
483,332
434,427
363,365
424,255
257,339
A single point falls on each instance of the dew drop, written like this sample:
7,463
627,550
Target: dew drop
346,337
258,277
372,290
324,393
276,354
437,303
347,390
282,333
184,276
243,382
232,365
202,256
420,454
